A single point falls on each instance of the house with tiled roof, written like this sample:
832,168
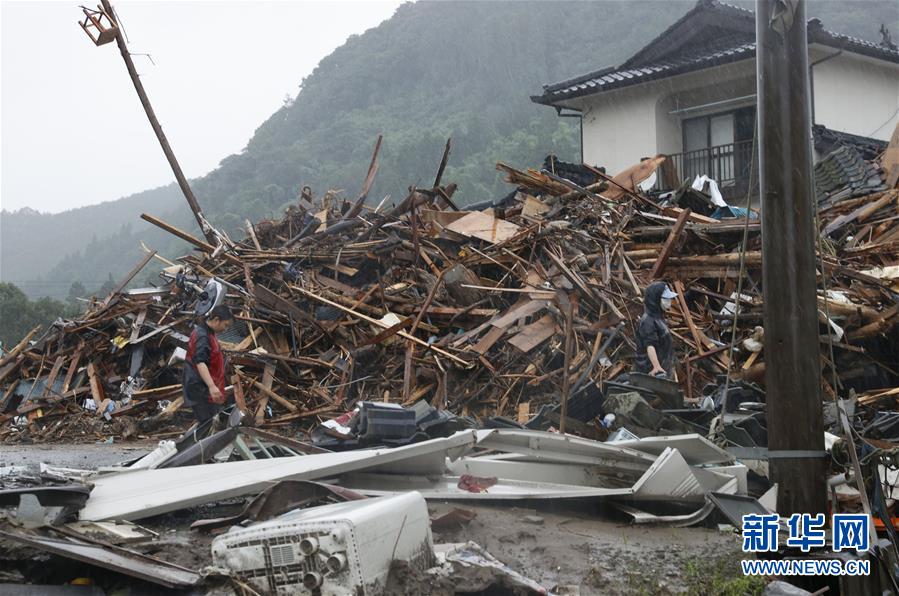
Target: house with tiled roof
690,94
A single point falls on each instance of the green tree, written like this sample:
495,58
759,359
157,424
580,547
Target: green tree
76,291
107,287
19,315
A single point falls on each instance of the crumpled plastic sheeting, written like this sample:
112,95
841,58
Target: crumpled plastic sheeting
700,181
462,559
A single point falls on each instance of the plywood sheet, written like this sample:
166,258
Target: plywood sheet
444,218
484,227
518,311
534,334
532,207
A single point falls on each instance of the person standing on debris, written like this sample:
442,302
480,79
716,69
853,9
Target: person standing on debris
204,370
655,350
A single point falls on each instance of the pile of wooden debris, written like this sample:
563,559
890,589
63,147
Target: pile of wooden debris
487,311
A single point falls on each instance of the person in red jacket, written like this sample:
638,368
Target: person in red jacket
203,382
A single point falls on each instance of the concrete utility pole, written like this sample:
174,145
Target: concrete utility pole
151,116
792,365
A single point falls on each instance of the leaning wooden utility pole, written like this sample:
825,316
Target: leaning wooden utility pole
93,22
793,370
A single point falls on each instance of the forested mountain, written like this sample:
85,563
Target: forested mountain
436,69
33,243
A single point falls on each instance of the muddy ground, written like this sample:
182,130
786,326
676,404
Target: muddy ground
570,550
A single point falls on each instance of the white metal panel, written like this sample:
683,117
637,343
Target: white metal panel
140,494
446,487
566,448
696,449
554,472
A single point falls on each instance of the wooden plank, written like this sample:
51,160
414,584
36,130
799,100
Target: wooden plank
204,246
427,303
304,414
534,334
132,408
676,212
860,214
159,330
339,286
239,398
478,224
281,400
490,338
586,292
128,277
566,367
251,232
246,342
750,361
519,311
408,371
344,269
752,258
442,218
174,406
875,206
688,273
870,397
379,323
535,294
54,372
886,321
96,387
19,347
267,378
387,333
138,324
450,311
626,181
532,207
157,392
8,369
669,245
524,412
627,271
731,226
688,316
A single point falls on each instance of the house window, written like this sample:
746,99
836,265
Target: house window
719,145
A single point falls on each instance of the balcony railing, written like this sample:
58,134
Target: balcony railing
728,164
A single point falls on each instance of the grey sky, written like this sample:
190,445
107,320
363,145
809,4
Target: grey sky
73,131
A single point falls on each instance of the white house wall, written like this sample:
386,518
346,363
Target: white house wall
853,94
619,128
857,95
623,126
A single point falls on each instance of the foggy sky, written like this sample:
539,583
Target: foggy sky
73,131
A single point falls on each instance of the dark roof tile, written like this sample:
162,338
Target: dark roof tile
612,80
737,45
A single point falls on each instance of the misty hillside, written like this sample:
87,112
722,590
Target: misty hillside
434,70
33,243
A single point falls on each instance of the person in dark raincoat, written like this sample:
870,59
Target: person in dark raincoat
655,350
203,381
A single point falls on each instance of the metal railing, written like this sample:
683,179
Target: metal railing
728,164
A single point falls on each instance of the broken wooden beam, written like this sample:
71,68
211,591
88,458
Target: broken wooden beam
669,245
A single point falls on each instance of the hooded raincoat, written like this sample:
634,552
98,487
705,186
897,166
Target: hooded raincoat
653,331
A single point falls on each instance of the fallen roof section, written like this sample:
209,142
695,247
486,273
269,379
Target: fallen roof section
117,559
523,464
